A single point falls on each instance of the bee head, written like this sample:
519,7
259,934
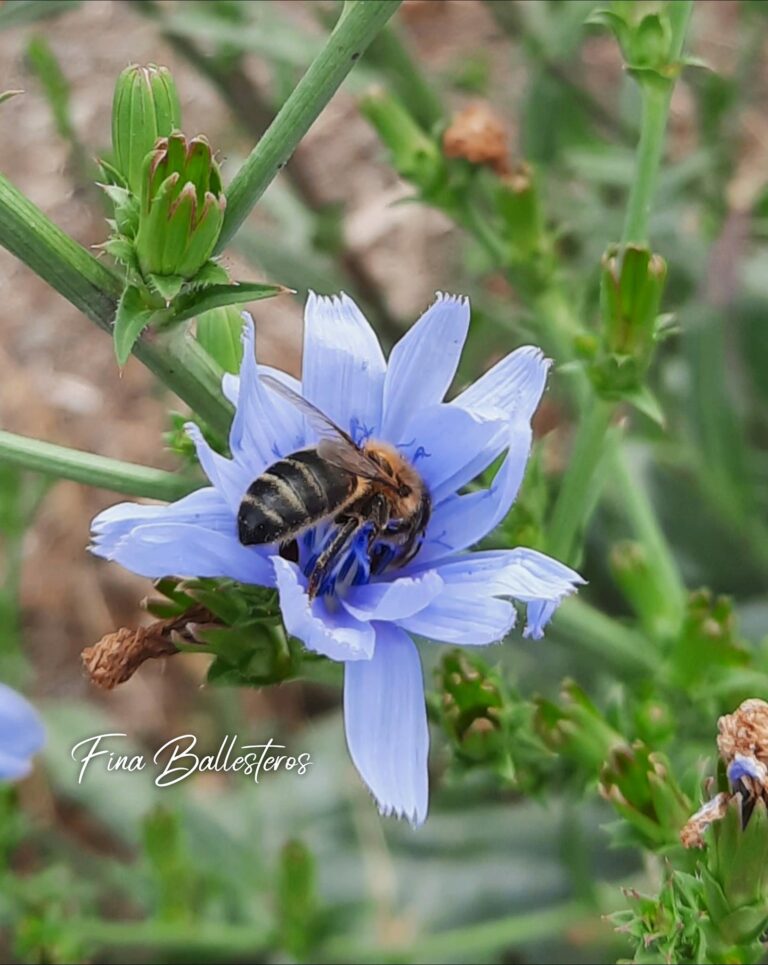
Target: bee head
403,490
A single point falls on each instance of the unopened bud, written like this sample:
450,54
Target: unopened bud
145,107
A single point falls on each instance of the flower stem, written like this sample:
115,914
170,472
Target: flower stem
177,360
577,490
99,471
656,97
577,494
356,28
481,939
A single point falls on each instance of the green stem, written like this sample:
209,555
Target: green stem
609,640
177,360
576,494
389,55
358,25
463,944
238,941
656,97
637,507
99,471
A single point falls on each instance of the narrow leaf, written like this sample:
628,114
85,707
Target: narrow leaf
217,296
130,321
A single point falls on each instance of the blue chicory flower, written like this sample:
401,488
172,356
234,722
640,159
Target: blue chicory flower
368,621
21,734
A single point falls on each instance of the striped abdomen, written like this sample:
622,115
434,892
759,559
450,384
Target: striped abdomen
293,494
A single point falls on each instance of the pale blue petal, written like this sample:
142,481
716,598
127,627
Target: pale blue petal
204,507
525,574
451,446
343,366
401,597
336,634
266,426
230,477
181,549
538,615
423,363
515,385
743,766
463,617
21,734
461,521
386,724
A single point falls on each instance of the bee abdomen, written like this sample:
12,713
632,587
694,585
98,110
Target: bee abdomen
291,495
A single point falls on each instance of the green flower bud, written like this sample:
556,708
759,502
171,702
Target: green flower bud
576,729
640,786
630,295
145,107
637,577
181,210
487,724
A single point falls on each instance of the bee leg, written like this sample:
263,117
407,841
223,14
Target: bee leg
328,556
378,516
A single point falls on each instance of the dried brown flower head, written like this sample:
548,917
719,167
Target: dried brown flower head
478,134
743,745
117,656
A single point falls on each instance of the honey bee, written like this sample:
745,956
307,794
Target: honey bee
355,486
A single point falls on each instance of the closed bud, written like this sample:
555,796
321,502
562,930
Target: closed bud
638,579
640,786
181,210
145,107
631,287
576,729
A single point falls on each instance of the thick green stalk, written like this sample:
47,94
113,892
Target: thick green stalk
358,25
99,471
90,286
577,490
636,505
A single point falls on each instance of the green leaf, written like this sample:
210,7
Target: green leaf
217,296
43,61
168,286
130,321
211,273
646,402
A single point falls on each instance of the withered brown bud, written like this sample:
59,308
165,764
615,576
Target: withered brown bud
478,134
744,732
117,656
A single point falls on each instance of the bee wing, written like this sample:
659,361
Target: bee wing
319,421
340,453
336,446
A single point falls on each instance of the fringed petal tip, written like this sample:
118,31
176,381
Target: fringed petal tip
538,615
462,300
415,818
